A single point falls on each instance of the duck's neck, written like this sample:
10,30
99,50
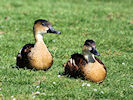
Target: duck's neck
39,43
39,38
88,56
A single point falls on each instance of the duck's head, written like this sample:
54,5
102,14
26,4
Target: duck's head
43,26
90,47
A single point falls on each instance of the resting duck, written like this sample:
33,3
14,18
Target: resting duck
86,64
37,56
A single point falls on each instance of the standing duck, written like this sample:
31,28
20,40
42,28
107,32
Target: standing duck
86,64
37,56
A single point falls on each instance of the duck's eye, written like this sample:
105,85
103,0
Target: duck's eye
43,24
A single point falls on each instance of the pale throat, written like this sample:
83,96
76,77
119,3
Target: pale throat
88,56
39,37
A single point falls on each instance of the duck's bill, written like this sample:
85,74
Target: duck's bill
52,30
94,51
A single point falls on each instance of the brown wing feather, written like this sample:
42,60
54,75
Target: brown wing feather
74,69
71,69
22,59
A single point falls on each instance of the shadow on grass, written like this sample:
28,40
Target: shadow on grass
74,75
26,68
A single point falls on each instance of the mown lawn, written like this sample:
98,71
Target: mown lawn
108,22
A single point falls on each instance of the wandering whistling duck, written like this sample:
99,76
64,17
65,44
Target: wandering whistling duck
37,56
86,64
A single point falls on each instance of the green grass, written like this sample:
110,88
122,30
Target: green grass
108,22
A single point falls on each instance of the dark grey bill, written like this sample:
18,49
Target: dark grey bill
94,51
52,30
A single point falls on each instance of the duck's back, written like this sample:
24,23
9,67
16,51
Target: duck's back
72,67
22,57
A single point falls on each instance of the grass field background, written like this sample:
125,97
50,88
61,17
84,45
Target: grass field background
108,22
